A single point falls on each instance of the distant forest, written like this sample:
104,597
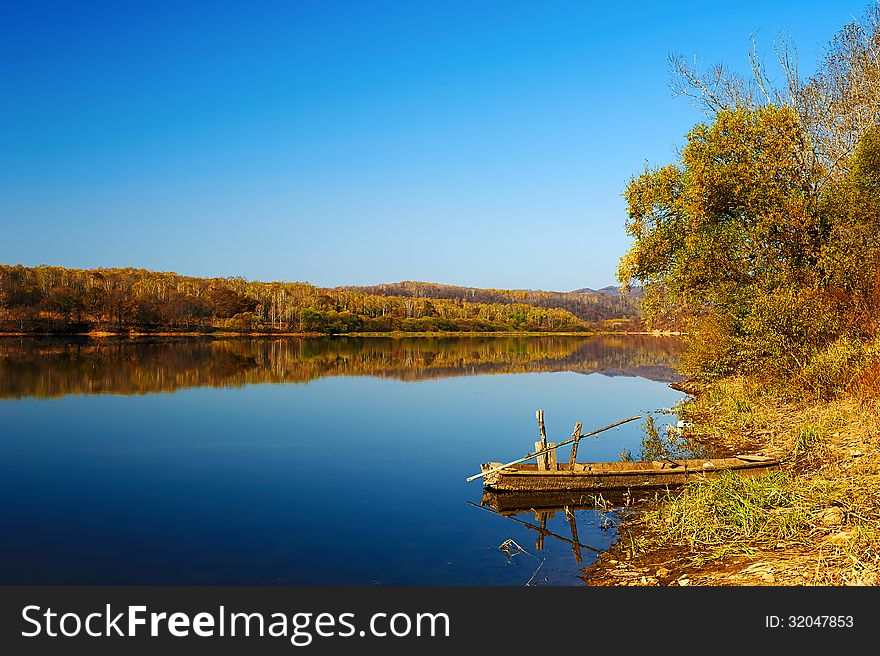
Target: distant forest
48,299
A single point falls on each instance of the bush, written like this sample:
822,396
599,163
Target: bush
241,321
832,369
865,380
712,348
784,328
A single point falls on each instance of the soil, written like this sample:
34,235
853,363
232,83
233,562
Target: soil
673,566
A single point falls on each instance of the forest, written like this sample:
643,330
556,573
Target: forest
763,240
51,299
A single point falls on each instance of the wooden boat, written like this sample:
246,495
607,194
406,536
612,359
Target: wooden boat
598,476
546,475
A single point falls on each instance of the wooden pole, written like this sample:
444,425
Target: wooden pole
529,456
576,434
543,460
540,416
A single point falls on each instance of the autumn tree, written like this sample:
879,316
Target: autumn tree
765,233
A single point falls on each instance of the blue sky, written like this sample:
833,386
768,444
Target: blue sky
474,143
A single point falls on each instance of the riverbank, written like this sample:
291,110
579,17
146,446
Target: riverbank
815,521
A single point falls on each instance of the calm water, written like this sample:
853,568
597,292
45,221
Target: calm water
291,461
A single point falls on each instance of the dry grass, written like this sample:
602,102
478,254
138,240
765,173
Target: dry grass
816,521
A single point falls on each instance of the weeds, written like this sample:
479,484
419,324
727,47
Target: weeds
817,518
807,438
732,510
669,444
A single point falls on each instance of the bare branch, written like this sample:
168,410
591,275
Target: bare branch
689,82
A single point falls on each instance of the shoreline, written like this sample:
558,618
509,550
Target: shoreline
814,522
99,334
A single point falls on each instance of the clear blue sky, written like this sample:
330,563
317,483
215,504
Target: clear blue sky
474,143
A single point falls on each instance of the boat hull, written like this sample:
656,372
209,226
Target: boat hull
618,475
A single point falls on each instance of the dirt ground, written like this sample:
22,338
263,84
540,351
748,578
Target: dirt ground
784,566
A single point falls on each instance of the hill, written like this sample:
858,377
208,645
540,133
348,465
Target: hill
613,290
585,304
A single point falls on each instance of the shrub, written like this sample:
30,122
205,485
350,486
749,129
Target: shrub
785,327
712,348
832,369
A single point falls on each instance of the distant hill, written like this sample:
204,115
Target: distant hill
586,304
611,290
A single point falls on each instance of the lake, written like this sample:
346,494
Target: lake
337,461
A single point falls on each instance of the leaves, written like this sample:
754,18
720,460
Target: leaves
767,250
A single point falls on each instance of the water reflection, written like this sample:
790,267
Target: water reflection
557,516
223,482
32,367
541,517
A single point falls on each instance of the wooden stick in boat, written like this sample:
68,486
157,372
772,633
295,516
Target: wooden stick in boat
542,460
576,435
543,531
534,454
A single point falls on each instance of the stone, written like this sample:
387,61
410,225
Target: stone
840,538
832,516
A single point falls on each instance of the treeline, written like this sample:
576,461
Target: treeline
64,300
764,238
587,305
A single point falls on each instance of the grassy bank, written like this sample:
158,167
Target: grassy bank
815,521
